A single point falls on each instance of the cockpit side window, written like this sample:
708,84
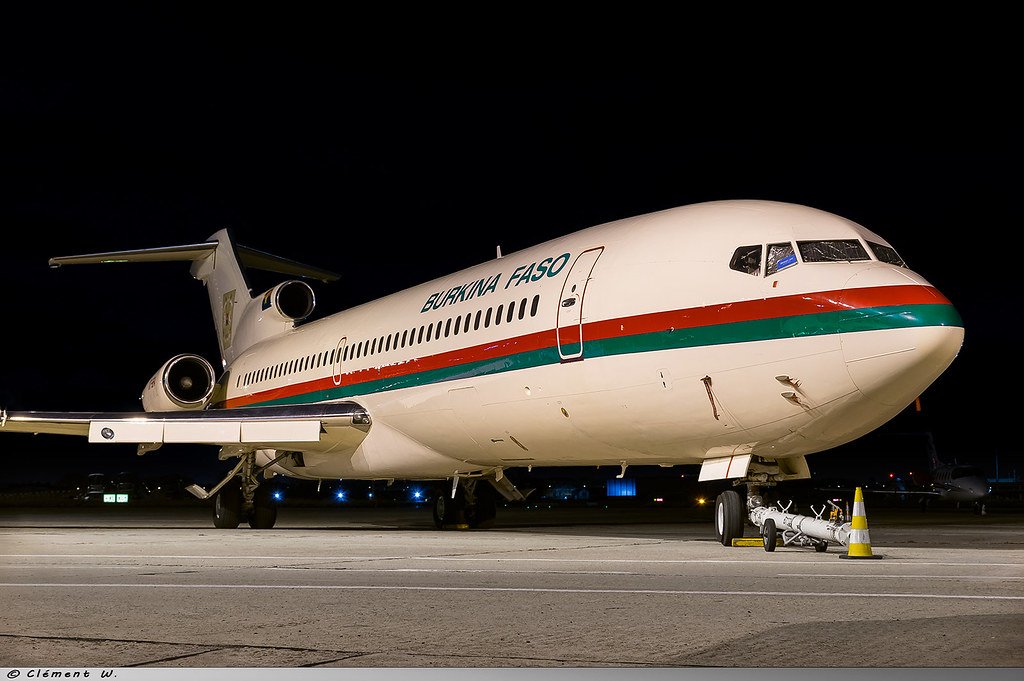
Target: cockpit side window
887,254
747,259
780,256
832,250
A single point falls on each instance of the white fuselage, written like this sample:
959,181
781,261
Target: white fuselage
682,357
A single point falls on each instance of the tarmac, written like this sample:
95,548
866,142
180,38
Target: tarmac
545,587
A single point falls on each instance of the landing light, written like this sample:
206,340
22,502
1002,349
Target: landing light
417,495
701,501
658,499
278,496
340,495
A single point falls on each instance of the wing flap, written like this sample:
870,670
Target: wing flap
286,424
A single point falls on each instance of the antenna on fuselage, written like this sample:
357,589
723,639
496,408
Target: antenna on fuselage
499,251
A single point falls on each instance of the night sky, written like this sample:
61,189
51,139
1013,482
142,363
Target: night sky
394,161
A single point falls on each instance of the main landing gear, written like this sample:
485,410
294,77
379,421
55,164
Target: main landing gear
243,497
474,506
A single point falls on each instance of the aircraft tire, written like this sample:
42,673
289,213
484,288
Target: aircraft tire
447,511
480,515
728,517
439,510
264,511
770,534
227,506
821,548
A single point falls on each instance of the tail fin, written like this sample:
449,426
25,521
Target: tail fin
933,456
219,263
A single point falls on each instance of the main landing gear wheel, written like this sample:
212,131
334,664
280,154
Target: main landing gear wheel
728,517
481,512
448,511
227,506
769,534
264,509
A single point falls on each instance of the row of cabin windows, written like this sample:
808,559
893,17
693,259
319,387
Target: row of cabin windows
453,326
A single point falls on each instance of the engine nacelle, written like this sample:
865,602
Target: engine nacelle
289,301
184,382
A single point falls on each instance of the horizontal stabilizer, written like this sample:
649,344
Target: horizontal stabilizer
249,257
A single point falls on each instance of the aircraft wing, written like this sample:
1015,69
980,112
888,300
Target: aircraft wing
256,426
930,493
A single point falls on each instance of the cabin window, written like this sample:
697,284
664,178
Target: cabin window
373,347
487,319
887,254
447,327
331,357
497,315
780,256
405,335
476,321
437,331
466,322
832,250
535,306
419,338
522,308
430,331
387,345
458,323
747,259
511,312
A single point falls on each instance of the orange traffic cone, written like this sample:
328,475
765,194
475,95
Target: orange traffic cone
859,542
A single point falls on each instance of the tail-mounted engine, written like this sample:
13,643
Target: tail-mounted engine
184,382
289,301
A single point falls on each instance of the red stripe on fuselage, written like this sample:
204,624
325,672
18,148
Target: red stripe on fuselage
725,313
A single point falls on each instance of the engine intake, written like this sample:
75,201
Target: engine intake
290,301
184,382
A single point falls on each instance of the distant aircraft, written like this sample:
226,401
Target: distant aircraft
738,335
944,481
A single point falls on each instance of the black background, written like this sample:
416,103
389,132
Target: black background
399,148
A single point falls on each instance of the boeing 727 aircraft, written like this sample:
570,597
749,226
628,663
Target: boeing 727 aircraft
737,335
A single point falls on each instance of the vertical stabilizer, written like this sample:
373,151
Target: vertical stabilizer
933,455
221,273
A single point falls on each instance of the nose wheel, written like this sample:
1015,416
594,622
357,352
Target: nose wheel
728,517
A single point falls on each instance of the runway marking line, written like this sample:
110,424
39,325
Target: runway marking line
875,576
650,592
682,561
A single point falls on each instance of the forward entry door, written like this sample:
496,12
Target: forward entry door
569,330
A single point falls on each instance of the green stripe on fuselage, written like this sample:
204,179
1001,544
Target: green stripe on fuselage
797,326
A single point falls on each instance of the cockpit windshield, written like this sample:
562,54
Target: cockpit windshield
780,256
833,250
887,254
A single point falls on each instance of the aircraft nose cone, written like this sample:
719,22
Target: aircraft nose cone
898,334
